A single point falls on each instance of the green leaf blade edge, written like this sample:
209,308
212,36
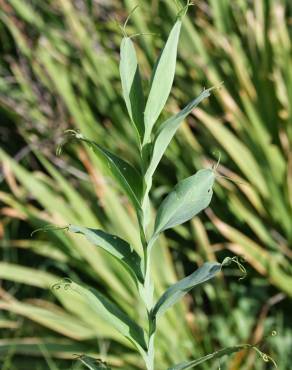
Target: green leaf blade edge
108,311
218,354
174,293
125,174
166,132
189,197
162,80
132,85
117,247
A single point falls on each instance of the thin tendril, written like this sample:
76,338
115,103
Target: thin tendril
122,29
219,86
117,23
218,161
144,34
228,260
183,10
68,134
127,20
64,283
232,180
47,228
215,167
265,357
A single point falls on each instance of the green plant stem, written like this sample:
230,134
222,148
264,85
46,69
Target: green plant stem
147,288
141,229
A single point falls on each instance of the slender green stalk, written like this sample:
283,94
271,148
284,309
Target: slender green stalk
147,290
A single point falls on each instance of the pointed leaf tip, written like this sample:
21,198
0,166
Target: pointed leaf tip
162,80
132,85
174,293
124,173
93,364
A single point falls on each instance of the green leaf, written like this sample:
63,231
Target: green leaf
93,364
106,310
124,173
131,84
179,289
162,79
188,198
223,352
166,132
116,246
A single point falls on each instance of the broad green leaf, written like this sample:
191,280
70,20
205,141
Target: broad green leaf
116,246
223,352
162,79
93,364
131,84
124,173
108,311
166,132
188,198
179,289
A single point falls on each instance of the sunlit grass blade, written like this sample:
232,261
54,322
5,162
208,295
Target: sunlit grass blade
255,254
59,320
56,347
26,275
236,149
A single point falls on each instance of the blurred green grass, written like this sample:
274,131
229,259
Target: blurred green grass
59,69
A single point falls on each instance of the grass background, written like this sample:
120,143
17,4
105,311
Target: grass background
59,70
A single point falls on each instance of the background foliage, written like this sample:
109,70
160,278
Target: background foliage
59,70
